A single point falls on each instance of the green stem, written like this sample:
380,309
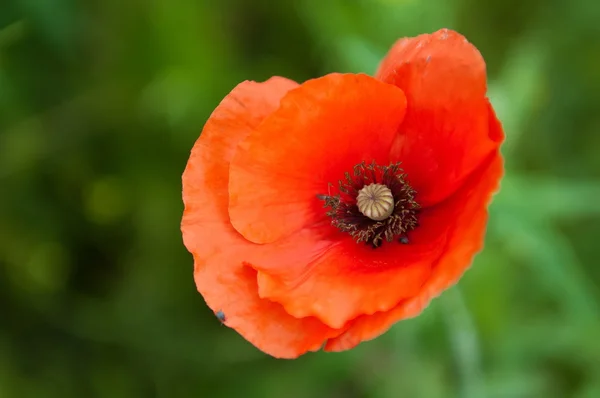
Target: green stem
465,344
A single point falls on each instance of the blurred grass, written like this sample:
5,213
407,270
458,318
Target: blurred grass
100,103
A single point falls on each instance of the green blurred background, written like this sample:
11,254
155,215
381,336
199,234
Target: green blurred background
100,104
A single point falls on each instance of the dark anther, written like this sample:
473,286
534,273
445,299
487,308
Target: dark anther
347,217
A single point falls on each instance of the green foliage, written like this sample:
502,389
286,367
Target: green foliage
100,103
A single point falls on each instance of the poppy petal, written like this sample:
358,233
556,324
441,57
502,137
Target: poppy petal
219,251
321,130
465,241
445,134
324,273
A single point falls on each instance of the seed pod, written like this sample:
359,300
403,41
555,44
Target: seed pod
375,201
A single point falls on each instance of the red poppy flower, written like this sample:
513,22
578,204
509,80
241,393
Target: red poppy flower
320,214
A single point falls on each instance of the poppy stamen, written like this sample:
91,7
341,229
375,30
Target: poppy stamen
374,204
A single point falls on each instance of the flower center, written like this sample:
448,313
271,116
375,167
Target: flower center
375,201
374,204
